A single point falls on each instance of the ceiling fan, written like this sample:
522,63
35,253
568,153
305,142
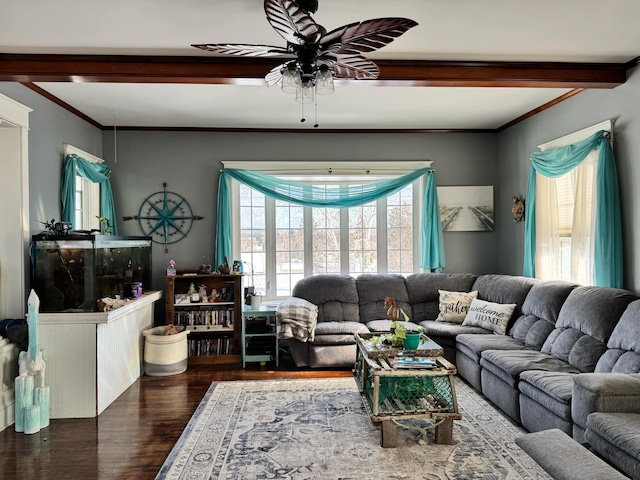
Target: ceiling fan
315,55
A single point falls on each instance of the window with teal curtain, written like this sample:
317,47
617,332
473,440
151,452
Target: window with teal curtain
431,247
94,172
607,260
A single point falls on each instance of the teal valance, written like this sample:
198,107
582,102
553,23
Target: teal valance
94,172
608,266
431,242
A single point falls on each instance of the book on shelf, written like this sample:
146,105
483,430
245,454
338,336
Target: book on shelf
413,362
220,318
213,346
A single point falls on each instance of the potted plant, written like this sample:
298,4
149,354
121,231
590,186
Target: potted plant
402,336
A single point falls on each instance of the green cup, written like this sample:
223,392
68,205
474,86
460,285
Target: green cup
412,341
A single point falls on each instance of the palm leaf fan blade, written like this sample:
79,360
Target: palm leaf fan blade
243,50
274,77
292,22
353,66
371,35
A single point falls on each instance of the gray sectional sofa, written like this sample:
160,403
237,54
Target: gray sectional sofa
570,359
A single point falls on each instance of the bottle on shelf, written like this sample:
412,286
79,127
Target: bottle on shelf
194,296
128,281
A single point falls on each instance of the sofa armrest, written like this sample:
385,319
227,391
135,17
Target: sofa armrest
604,392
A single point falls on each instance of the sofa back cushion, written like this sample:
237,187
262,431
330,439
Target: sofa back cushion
623,353
423,291
504,289
585,323
540,312
372,290
335,295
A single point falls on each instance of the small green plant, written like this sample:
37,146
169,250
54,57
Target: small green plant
49,227
105,225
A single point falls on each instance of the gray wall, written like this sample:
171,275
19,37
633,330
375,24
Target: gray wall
50,127
516,144
190,163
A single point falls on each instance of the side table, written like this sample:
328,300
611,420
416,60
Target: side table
259,340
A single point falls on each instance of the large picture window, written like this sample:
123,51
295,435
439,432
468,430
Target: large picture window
281,243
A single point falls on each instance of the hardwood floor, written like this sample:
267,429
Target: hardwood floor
131,438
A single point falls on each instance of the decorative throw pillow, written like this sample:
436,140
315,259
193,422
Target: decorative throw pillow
454,305
491,316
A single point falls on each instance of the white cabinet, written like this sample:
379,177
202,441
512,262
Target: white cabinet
92,358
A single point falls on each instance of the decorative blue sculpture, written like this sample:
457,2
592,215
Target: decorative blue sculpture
32,396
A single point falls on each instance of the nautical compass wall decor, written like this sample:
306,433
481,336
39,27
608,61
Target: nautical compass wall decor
165,216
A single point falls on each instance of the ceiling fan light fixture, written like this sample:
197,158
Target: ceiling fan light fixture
291,79
306,93
324,81
314,55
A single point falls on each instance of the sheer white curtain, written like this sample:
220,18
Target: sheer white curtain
565,223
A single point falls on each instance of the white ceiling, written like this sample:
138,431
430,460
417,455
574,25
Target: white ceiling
456,30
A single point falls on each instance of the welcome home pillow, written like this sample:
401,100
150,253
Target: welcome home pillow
454,305
490,316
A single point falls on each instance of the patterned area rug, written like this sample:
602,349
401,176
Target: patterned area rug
319,429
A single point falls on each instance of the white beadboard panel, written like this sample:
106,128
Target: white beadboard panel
8,372
120,353
71,368
93,357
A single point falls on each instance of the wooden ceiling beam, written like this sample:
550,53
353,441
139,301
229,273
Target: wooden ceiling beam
251,71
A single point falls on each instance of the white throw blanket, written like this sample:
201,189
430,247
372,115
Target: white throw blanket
296,318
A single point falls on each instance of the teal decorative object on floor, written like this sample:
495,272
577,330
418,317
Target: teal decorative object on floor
319,429
32,398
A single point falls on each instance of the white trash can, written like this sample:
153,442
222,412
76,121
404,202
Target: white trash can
165,354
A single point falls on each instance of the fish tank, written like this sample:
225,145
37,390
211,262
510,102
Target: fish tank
70,273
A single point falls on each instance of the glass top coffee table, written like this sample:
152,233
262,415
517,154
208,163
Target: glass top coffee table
397,384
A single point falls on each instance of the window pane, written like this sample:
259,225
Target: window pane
289,246
400,232
326,240
363,245
253,237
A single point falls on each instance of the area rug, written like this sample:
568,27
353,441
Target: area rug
319,429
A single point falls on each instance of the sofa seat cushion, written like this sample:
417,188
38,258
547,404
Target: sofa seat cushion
473,345
509,364
385,325
622,430
552,390
338,333
451,330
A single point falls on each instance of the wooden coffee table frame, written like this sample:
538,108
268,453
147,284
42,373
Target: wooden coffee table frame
374,369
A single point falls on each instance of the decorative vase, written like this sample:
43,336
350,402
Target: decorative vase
412,341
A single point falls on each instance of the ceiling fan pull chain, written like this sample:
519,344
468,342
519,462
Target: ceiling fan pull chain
302,119
316,107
